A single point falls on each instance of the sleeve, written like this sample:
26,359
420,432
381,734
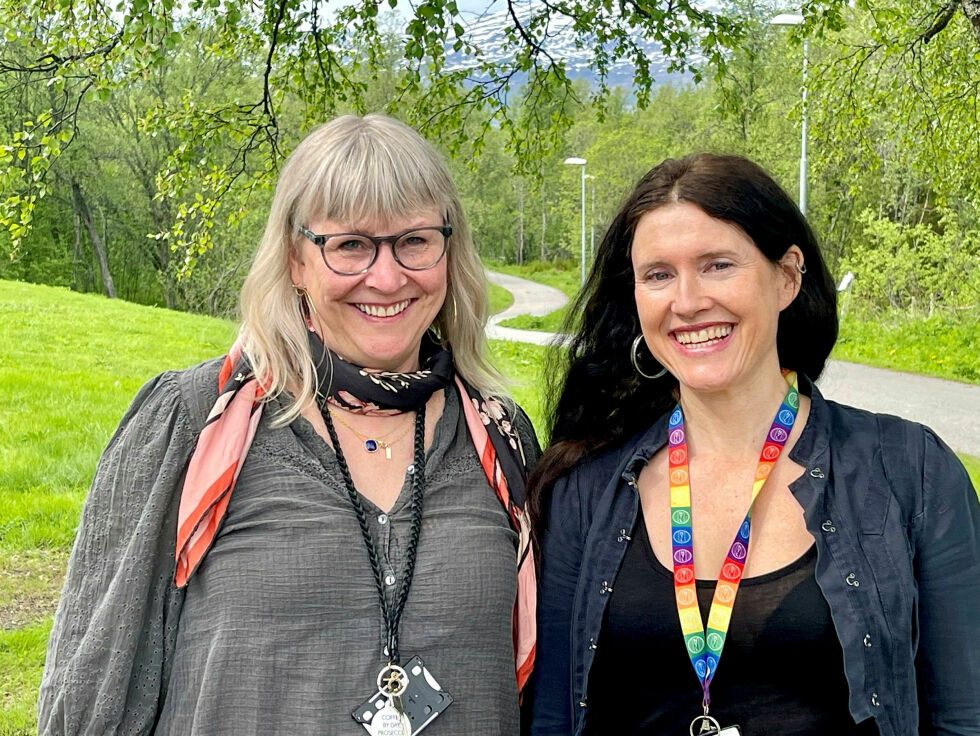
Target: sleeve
116,621
946,535
562,543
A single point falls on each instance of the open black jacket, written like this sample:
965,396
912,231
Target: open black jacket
897,528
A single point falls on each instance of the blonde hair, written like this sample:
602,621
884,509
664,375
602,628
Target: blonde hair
357,170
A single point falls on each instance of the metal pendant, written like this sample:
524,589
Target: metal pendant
371,445
704,725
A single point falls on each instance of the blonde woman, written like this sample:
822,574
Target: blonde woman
321,532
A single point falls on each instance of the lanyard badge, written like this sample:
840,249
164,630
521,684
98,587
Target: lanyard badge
704,645
408,698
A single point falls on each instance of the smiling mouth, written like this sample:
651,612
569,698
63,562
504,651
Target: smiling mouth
703,338
378,310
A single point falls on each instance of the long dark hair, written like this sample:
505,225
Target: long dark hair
596,398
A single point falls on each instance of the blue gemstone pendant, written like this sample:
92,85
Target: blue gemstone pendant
371,445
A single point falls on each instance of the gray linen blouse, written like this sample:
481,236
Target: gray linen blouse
279,630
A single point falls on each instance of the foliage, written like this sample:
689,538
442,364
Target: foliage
915,266
945,345
313,60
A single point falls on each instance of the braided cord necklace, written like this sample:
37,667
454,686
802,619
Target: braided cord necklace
390,615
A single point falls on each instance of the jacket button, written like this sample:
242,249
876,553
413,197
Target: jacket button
828,526
874,700
623,536
851,579
867,640
582,704
592,644
817,473
606,588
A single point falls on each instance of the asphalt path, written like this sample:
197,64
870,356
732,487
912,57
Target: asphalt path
952,409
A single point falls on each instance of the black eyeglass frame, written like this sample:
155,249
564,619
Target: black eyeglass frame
321,240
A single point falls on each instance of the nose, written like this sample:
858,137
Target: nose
690,296
385,274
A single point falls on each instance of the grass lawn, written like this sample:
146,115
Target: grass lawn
69,366
500,298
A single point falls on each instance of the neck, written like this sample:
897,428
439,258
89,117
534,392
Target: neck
732,422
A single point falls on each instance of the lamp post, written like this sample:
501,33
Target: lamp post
581,162
592,220
795,19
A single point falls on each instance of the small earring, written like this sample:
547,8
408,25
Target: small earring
636,360
801,269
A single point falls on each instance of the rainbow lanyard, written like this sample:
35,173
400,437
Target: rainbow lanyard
704,646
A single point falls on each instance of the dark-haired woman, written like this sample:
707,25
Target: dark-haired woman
723,550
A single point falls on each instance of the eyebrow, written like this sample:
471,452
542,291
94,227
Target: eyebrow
706,256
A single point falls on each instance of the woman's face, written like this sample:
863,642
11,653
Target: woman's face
707,298
374,319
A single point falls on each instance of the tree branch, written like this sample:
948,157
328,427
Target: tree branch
943,17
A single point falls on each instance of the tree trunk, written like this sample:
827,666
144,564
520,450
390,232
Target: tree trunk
971,9
98,247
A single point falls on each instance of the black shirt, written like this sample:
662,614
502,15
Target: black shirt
781,671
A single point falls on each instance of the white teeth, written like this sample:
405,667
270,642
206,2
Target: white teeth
705,336
376,311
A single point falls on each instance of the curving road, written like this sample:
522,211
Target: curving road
950,408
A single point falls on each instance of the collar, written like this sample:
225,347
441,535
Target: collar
813,440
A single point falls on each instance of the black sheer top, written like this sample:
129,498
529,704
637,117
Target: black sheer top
781,672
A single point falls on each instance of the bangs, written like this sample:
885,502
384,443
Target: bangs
366,179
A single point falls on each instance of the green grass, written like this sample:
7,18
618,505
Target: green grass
69,366
21,664
500,298
943,345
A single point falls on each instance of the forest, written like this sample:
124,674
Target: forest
146,175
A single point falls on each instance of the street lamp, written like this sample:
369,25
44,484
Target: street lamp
581,162
795,19
592,220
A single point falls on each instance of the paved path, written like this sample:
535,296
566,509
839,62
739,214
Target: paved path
950,408
531,298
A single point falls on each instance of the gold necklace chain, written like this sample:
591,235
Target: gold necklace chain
373,444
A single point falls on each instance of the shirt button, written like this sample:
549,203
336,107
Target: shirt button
874,700
389,579
382,518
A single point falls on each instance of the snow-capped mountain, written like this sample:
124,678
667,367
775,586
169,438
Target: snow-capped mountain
486,32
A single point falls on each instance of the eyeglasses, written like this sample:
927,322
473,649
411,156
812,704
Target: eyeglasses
350,254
